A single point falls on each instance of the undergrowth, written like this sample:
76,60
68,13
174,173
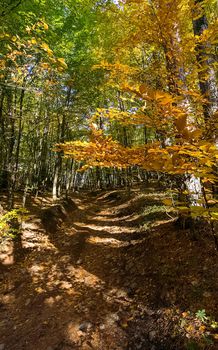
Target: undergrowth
11,223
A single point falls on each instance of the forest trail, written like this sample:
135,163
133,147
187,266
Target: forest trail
117,274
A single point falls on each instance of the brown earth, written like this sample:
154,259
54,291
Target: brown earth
106,271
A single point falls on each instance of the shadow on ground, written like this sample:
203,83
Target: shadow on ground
97,279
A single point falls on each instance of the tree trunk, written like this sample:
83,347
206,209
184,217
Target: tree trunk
207,76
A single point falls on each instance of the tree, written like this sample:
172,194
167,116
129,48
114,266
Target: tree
171,112
45,71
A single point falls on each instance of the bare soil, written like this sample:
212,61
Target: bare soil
105,271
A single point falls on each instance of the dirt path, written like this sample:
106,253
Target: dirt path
106,281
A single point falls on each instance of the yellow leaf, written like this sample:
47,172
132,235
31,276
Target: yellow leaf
62,62
45,47
45,26
142,89
181,122
167,201
190,328
214,215
124,325
196,134
33,41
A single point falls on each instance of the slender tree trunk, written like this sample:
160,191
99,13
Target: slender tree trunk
19,137
207,76
56,191
11,142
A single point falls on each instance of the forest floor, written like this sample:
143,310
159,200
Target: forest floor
107,270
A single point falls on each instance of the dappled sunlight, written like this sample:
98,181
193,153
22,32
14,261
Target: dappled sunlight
73,333
7,253
161,325
32,236
83,276
49,277
8,300
96,281
42,201
35,237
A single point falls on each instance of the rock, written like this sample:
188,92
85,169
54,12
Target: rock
121,294
1,210
66,285
65,258
195,283
152,335
148,311
112,319
134,285
2,346
207,295
79,262
130,292
26,303
85,326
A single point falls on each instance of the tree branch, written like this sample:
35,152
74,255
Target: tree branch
7,10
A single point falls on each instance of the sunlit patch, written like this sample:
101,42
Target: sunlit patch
104,217
80,224
82,206
42,201
8,299
133,217
6,260
111,242
161,222
80,275
65,285
50,301
73,333
36,269
40,290
30,225
110,229
48,278
35,237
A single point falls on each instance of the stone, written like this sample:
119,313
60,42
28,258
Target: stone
152,335
207,295
2,346
27,302
148,311
85,326
66,285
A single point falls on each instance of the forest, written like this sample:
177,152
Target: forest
108,174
